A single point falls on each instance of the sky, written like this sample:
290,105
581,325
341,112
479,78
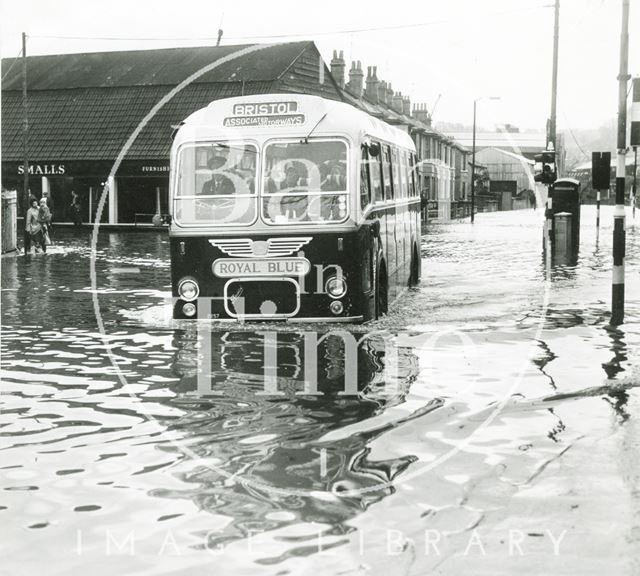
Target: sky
444,53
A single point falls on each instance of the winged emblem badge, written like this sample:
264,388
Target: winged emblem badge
270,248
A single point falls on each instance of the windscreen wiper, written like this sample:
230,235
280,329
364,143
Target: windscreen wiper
305,140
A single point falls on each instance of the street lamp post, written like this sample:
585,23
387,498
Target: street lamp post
473,155
473,164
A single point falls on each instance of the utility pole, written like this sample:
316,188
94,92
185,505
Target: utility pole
617,286
634,139
551,127
25,125
551,137
635,176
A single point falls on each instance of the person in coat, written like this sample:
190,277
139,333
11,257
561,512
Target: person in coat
76,216
44,219
33,227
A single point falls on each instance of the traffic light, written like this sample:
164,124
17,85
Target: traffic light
545,169
600,170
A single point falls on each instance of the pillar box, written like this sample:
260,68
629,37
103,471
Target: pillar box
565,199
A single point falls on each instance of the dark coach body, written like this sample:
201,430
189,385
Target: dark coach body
287,221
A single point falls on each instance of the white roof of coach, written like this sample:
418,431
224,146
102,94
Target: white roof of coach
341,118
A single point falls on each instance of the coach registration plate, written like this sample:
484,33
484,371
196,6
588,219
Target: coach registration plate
238,267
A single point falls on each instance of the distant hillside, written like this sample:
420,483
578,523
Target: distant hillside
581,143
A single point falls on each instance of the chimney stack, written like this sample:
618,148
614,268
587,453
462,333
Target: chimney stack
337,67
406,106
382,92
389,95
371,91
421,113
355,78
398,102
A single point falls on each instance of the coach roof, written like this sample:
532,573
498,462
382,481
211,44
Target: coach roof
341,118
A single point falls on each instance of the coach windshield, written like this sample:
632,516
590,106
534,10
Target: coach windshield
305,182
216,184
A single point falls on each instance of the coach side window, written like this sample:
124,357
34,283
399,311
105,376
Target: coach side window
386,173
365,186
400,173
412,175
375,171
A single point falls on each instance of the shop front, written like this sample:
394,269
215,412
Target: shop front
142,190
134,195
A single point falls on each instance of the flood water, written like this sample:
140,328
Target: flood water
495,427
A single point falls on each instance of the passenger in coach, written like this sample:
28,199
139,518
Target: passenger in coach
335,180
291,178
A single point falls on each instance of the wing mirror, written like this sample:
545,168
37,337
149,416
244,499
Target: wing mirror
374,149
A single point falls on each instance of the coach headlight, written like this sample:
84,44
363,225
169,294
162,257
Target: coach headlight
188,289
336,287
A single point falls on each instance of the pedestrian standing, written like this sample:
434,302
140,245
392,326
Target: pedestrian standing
27,235
33,227
76,215
44,219
46,196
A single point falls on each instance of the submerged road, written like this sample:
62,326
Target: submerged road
495,429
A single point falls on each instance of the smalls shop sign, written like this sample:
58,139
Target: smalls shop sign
60,169
44,169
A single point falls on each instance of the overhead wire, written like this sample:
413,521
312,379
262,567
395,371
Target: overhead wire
574,138
279,36
12,65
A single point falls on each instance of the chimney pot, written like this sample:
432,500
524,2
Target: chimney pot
421,113
355,78
382,92
390,95
397,102
371,89
406,106
337,68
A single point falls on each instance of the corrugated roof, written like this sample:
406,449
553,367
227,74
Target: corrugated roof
168,66
94,123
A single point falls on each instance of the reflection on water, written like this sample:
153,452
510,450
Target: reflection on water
448,412
269,442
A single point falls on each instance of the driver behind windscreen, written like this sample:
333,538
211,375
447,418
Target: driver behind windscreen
219,184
